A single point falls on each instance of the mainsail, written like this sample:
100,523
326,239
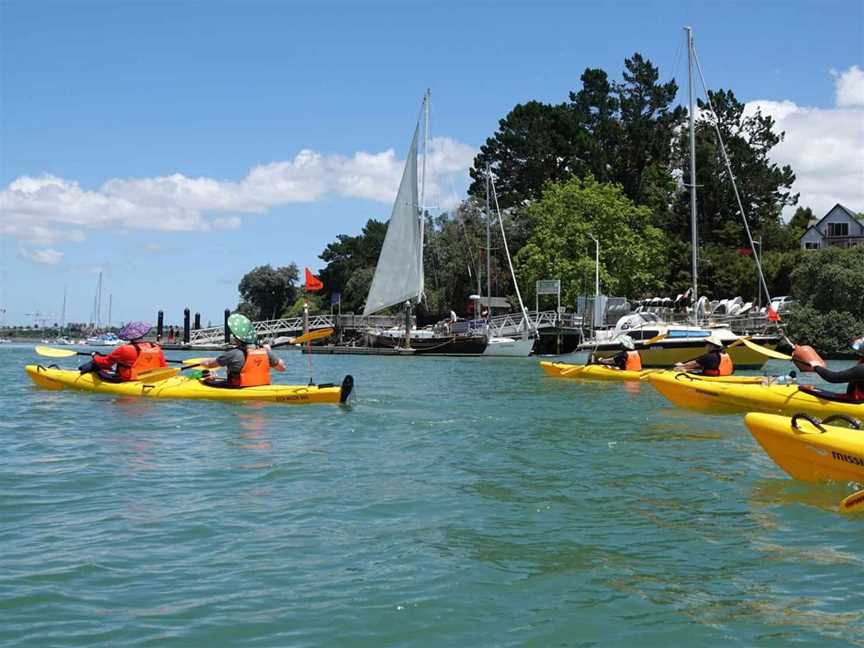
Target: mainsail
399,273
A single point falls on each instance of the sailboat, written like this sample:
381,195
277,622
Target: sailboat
664,344
399,278
501,345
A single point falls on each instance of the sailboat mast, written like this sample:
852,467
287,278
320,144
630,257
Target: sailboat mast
488,251
422,202
99,302
694,234
63,312
110,300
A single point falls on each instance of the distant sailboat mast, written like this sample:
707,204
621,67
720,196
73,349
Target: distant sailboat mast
422,201
694,234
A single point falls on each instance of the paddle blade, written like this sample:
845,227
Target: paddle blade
771,353
854,503
194,362
50,352
655,339
313,335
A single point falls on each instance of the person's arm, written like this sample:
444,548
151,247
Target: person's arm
696,364
123,354
855,372
275,361
219,361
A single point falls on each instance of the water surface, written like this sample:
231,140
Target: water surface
458,502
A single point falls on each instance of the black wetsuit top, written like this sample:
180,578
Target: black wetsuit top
853,375
710,361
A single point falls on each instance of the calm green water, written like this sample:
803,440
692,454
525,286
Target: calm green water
459,502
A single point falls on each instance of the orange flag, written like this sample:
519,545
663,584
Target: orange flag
773,315
313,283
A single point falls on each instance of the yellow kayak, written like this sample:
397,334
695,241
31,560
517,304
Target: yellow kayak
711,397
182,387
605,372
809,450
589,372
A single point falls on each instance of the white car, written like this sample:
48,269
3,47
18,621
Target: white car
782,304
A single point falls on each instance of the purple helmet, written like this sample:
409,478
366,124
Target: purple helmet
134,331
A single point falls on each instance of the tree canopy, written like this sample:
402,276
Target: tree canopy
267,291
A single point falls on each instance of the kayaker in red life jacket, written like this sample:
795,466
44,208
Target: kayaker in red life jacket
128,360
247,364
628,359
854,375
714,362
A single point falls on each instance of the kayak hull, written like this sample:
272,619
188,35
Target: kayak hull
712,397
604,372
810,454
181,387
588,372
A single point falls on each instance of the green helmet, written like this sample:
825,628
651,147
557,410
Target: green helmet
241,328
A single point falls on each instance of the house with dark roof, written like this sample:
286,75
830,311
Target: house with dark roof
840,227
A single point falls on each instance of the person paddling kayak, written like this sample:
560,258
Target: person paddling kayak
714,362
854,375
127,361
628,359
247,364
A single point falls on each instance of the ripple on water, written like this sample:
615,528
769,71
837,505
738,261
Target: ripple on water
458,502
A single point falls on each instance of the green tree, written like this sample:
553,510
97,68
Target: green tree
631,249
765,188
266,291
351,262
533,145
829,287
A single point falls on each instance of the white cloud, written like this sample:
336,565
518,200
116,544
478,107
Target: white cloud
46,210
824,146
47,256
850,88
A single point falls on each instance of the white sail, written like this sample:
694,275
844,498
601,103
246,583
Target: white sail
399,273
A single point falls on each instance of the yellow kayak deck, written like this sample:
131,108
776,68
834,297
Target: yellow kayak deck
712,397
605,372
189,388
807,451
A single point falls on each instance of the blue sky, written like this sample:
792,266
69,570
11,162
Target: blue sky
112,98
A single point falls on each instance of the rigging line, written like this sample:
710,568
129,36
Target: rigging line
732,176
509,260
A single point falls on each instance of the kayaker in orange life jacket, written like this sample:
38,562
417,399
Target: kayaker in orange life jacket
628,359
714,362
247,364
854,375
127,360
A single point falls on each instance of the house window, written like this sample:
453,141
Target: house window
838,229
811,245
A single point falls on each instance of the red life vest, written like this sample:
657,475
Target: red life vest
149,357
256,370
634,361
725,369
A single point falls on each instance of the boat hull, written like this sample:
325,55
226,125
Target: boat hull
452,344
604,372
712,397
668,353
508,347
807,453
181,387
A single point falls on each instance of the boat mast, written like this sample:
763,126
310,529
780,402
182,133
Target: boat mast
63,312
110,300
99,302
694,235
422,205
488,252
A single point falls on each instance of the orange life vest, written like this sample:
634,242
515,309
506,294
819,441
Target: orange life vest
256,370
725,369
149,358
634,361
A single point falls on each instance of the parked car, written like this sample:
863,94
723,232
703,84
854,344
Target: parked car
782,304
